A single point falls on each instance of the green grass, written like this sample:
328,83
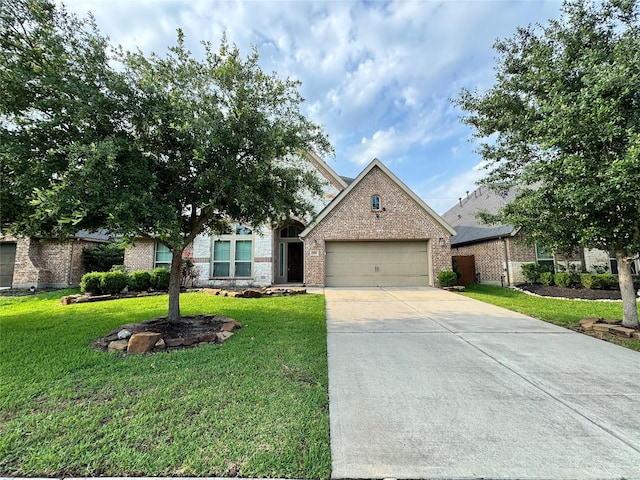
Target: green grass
256,406
566,313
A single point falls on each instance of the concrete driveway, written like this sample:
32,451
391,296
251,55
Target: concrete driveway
429,384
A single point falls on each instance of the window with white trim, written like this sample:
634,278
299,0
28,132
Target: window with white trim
232,255
375,202
544,256
163,256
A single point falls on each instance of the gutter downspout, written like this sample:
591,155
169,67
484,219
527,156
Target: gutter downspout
70,267
506,260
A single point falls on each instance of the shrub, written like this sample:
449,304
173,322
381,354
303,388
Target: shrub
189,270
546,278
447,278
587,280
139,280
113,282
118,268
90,283
562,279
160,278
607,281
103,257
532,271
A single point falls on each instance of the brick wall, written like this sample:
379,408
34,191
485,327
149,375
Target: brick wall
353,219
140,255
48,263
489,259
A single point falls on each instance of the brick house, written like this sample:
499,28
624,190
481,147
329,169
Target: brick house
43,263
377,232
369,231
498,251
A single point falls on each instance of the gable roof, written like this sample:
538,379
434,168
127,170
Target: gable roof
326,171
469,228
344,193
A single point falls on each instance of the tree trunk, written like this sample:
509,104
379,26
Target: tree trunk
629,304
174,286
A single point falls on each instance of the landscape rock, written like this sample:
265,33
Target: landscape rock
622,331
589,320
611,321
142,342
160,344
187,341
588,327
222,336
123,334
231,326
601,327
69,299
455,288
173,342
211,291
251,294
208,338
118,346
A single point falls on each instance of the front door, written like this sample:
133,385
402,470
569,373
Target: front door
294,262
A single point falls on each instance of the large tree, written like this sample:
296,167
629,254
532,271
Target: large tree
562,124
163,147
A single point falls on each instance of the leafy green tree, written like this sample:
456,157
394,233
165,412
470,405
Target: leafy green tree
562,124
163,147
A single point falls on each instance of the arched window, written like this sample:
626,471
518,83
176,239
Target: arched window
291,231
375,202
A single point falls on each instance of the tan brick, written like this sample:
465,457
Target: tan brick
352,219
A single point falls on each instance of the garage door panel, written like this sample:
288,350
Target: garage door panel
377,264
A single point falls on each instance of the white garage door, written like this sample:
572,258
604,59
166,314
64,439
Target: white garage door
377,264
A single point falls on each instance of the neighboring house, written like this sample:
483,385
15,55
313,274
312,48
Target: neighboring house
497,252
44,263
371,231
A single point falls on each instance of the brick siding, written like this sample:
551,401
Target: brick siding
47,263
140,255
489,259
353,219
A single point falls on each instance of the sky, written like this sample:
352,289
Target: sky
378,76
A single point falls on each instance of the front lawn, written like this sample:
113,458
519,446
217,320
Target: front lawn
566,313
256,406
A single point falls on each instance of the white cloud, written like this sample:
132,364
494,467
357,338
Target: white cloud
379,71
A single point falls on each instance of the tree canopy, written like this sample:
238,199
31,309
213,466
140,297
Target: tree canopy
562,125
164,147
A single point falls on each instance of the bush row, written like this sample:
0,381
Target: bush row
115,281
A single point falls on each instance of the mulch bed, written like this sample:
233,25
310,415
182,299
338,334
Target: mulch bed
189,332
572,293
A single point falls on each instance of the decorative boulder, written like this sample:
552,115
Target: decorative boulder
142,342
